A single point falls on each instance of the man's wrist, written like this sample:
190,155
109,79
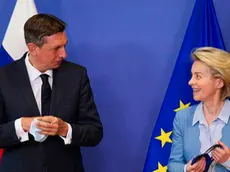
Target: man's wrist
26,121
64,130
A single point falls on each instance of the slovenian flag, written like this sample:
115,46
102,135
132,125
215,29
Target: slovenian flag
13,45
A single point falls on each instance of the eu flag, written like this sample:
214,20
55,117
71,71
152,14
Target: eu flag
202,30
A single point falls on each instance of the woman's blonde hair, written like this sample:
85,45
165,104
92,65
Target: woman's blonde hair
219,62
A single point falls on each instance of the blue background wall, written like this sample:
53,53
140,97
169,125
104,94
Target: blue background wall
129,48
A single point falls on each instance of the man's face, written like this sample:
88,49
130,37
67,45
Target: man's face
52,52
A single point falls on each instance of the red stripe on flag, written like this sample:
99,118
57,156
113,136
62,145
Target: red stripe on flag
1,153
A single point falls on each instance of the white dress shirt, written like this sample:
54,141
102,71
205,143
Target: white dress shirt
36,84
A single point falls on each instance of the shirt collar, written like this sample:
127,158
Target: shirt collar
198,115
223,115
33,72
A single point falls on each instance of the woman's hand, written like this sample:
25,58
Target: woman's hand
197,167
221,155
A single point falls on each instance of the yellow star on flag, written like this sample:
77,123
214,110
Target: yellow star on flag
164,137
161,168
182,106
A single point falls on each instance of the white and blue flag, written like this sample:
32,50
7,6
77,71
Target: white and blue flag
13,45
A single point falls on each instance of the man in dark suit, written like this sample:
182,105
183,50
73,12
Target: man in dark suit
44,93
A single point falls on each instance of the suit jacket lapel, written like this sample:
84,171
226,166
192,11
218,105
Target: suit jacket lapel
225,134
195,132
21,80
58,88
192,135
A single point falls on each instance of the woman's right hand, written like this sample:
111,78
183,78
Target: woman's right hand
197,167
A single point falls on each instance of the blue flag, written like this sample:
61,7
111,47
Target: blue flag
202,30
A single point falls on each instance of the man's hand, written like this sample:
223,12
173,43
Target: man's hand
26,122
197,167
51,126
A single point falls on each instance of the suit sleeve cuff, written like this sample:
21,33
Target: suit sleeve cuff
68,138
21,134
